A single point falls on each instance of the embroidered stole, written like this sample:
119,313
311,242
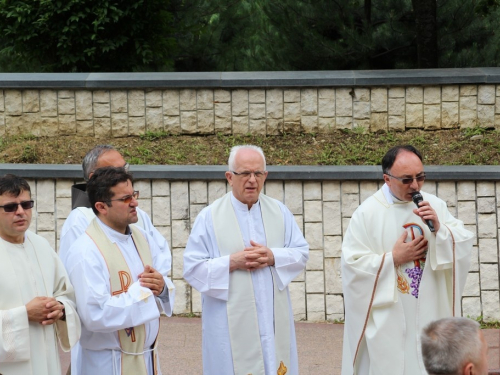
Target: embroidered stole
132,340
241,310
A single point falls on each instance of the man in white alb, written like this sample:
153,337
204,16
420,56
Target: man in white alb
37,304
398,275
242,253
121,282
79,219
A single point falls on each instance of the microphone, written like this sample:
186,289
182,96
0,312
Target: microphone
417,198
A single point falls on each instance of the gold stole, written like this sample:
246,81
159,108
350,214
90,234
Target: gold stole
132,340
241,310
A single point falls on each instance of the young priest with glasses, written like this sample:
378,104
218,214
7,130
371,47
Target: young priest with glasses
121,282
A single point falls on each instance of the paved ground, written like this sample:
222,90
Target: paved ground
319,346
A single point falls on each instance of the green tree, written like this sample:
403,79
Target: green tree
219,35
382,34
425,12
85,35
339,34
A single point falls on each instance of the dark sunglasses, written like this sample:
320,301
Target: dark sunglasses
12,207
408,181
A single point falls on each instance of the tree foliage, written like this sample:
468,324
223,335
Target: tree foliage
86,35
247,35
220,35
384,34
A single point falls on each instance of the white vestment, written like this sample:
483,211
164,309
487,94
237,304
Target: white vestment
208,273
387,307
28,270
103,315
75,225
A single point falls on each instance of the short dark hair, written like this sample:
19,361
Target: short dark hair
390,156
101,182
13,185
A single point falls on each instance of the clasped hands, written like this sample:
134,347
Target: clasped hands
44,310
152,280
251,258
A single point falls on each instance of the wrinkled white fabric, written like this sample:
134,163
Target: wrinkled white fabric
103,315
74,226
396,319
208,273
30,270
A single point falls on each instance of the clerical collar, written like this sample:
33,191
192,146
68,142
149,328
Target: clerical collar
113,235
240,206
391,198
395,198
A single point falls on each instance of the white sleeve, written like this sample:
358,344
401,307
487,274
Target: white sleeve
14,335
149,228
98,310
68,330
291,259
204,268
74,226
451,232
162,262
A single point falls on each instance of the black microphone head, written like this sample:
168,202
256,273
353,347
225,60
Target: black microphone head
417,197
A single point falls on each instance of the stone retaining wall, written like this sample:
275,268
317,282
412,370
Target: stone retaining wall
121,105
322,209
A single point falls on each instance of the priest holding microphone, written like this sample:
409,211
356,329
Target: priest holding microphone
405,260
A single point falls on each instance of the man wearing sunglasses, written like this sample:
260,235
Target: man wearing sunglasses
121,282
397,274
37,304
243,251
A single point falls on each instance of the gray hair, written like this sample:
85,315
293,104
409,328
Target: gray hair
235,149
90,160
449,344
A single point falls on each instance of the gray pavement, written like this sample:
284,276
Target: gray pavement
319,347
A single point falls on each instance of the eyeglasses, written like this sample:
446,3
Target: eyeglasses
12,207
408,180
127,198
246,174
126,167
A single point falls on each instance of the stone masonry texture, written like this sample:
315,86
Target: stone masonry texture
271,111
322,210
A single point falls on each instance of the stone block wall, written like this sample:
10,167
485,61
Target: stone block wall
322,209
266,111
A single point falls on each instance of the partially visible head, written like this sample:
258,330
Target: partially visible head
236,149
247,173
101,156
403,162
13,185
112,197
15,193
454,346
